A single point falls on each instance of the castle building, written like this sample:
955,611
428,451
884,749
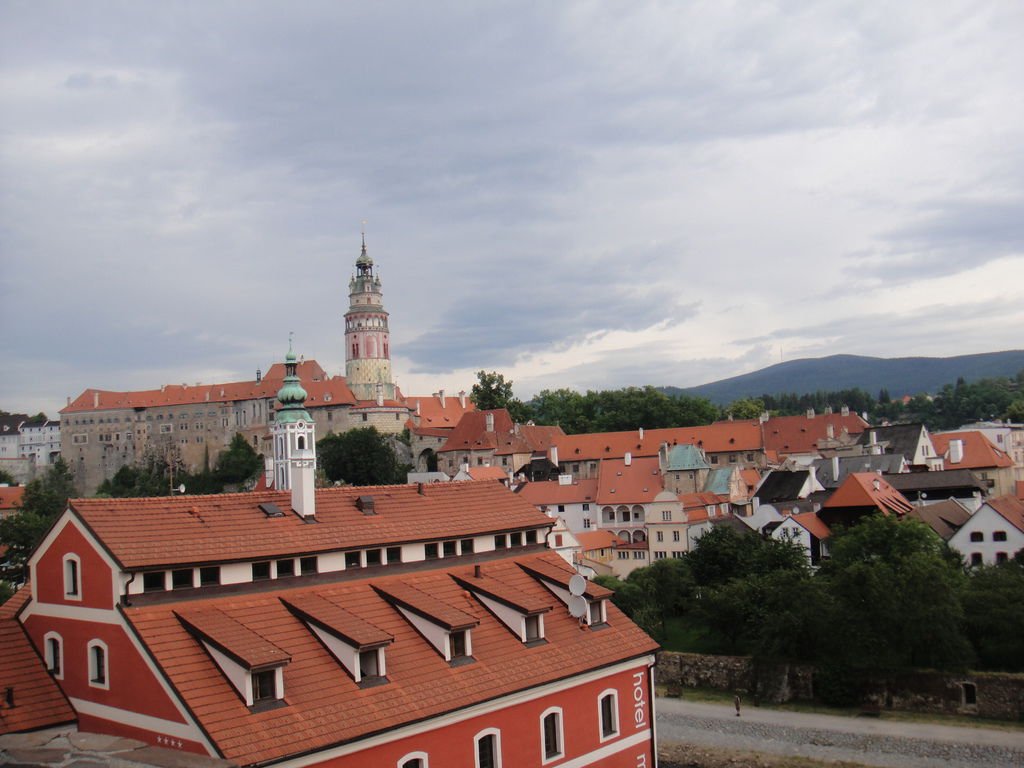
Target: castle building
191,424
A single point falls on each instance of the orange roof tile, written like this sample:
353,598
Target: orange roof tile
720,437
470,432
244,644
325,707
426,605
559,572
1011,508
699,499
38,700
488,473
1020,489
552,492
318,610
800,434
979,452
433,415
232,527
637,483
866,489
591,540
498,590
10,497
813,525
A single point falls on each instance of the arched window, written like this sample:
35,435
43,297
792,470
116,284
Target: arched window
414,760
72,577
53,648
300,442
487,749
608,713
99,674
552,747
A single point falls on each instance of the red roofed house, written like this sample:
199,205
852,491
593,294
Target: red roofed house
809,435
993,534
972,450
806,530
491,439
862,493
406,626
10,499
573,501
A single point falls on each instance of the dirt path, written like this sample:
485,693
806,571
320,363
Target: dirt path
706,728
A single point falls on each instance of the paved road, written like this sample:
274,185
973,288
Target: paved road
828,737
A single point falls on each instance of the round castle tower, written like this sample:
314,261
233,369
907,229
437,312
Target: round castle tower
367,339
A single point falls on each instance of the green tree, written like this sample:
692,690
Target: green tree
994,611
493,391
722,554
359,457
239,463
44,501
6,477
745,408
896,588
1015,411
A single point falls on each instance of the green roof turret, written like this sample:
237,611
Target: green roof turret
291,397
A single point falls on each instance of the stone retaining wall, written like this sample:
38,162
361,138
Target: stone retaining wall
987,694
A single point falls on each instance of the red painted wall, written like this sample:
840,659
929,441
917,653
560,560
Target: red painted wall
94,575
99,725
520,725
132,685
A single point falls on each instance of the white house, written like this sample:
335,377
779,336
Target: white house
994,534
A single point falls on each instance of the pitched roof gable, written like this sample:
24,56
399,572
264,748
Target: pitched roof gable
720,437
1010,508
636,483
866,489
979,452
813,524
243,644
553,492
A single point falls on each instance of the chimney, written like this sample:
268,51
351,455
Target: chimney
417,407
553,455
956,451
207,395
303,486
419,489
464,468
810,413
489,422
845,411
830,431
876,484
69,399
641,431
828,410
835,468
477,571
163,387
365,505
763,417
259,375
440,396
872,437
628,458
95,399
462,398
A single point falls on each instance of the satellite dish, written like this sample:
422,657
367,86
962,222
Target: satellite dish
577,606
577,585
181,488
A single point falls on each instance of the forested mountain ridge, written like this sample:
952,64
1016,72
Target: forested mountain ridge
899,376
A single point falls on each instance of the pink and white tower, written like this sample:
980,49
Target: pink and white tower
367,339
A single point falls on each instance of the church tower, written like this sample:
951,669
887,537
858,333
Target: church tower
294,440
367,339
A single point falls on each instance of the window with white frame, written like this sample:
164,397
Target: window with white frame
99,674
72,576
552,746
608,711
414,760
488,748
53,646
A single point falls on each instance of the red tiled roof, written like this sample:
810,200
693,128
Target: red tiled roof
426,605
471,433
498,590
813,525
859,490
1020,489
488,473
552,492
314,380
239,642
332,617
38,700
800,434
10,497
591,540
16,601
326,707
433,414
1011,508
699,499
979,452
232,527
558,571
750,477
637,483
720,437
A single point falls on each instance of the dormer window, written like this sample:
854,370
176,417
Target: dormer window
521,614
595,612
533,629
444,626
264,686
458,644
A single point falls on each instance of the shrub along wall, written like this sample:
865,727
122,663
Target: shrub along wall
987,694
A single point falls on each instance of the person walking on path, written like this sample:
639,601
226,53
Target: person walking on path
736,701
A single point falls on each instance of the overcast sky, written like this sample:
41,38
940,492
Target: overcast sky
587,195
